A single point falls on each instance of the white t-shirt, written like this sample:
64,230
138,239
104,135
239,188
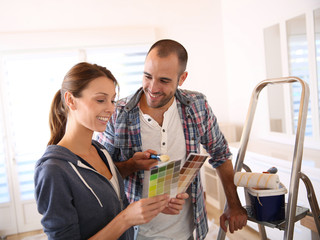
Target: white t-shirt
166,139
114,179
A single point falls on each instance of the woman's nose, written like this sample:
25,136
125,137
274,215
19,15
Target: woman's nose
110,108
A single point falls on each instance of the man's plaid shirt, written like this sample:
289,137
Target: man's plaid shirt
122,139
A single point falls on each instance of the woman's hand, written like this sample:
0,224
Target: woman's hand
136,213
144,210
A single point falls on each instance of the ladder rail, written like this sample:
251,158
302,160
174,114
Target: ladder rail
298,149
312,200
297,160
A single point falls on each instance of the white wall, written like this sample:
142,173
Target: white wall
224,38
196,24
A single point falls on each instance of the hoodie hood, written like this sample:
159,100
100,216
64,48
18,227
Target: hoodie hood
61,153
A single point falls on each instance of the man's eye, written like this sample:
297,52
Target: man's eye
164,81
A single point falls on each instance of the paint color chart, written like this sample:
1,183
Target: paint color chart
163,178
189,170
170,178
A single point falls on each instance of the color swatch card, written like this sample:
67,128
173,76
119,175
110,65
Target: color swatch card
190,170
170,178
161,179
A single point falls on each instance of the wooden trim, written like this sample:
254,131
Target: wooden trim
308,222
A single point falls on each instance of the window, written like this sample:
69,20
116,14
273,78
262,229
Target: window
125,63
298,56
292,49
317,50
30,80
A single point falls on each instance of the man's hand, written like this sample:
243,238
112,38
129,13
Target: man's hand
175,205
142,160
235,213
237,219
139,161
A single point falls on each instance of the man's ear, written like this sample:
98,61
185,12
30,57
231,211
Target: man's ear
182,78
69,100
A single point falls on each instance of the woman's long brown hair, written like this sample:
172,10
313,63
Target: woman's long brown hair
75,81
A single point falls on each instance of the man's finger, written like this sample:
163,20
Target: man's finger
231,226
224,223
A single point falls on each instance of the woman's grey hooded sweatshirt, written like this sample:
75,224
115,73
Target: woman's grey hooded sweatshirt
74,199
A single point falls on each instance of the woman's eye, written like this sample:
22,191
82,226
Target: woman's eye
100,101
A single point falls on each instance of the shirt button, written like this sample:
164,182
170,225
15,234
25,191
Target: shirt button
163,143
163,130
149,119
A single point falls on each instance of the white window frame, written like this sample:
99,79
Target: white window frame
287,138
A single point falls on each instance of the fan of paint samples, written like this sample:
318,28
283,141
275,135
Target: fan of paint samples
170,178
163,178
189,170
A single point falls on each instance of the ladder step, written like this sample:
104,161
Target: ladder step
301,212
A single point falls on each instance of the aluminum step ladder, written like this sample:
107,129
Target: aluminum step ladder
293,213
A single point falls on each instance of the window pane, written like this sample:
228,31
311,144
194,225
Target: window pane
317,41
125,62
31,81
298,65
4,189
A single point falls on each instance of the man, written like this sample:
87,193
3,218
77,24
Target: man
162,117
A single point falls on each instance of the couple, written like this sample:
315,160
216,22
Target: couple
79,181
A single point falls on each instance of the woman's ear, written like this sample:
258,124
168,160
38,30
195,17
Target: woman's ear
69,100
182,78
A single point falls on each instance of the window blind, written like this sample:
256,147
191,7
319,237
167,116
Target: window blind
31,80
299,67
4,189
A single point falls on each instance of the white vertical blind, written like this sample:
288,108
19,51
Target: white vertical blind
4,189
298,54
299,67
125,62
317,49
318,65
31,80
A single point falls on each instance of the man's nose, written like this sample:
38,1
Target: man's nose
154,86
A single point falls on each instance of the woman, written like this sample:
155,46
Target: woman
78,190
